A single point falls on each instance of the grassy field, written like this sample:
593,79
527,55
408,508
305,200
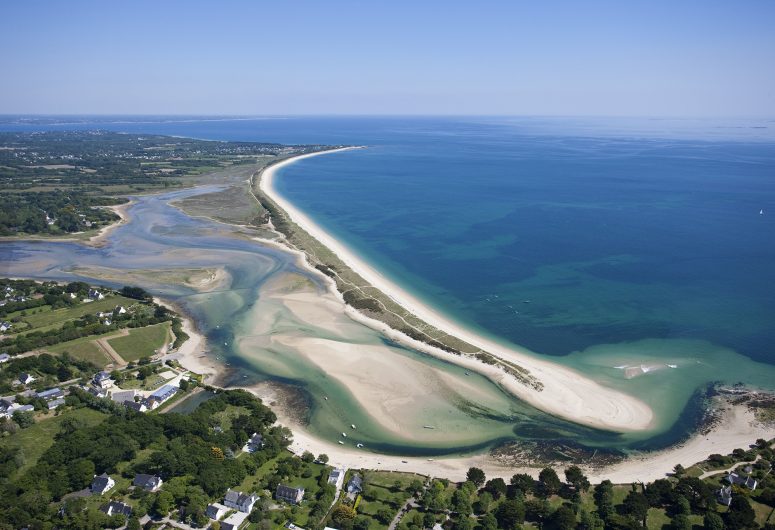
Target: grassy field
35,439
45,318
141,342
85,349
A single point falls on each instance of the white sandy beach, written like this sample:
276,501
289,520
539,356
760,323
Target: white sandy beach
566,394
737,429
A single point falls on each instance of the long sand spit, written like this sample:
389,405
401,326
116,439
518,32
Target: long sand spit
566,393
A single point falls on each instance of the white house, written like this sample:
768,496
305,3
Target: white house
5,326
25,378
240,501
102,380
4,357
102,484
336,478
147,482
234,521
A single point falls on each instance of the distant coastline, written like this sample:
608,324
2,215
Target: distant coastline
552,388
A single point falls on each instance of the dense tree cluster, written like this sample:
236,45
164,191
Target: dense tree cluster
183,452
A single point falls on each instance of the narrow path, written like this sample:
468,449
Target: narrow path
410,503
107,348
729,470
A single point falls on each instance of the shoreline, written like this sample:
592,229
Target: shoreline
566,393
96,240
736,428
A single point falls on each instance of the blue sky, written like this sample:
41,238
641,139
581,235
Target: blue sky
656,58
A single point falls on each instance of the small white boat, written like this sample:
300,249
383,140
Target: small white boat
341,442
428,427
761,212
352,425
358,445
325,397
344,434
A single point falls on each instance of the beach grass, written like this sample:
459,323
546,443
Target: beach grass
141,342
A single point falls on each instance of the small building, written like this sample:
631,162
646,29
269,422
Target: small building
50,394
147,482
289,494
119,396
336,478
55,403
235,521
255,443
97,392
137,406
120,310
748,482
25,378
5,326
216,511
725,495
102,484
4,358
163,394
290,526
240,501
355,485
102,380
115,508
94,294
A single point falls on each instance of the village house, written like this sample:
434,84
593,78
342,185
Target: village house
50,394
240,501
216,511
336,478
137,406
160,396
5,326
147,482
119,396
94,294
102,484
748,482
4,357
289,494
25,378
102,380
55,403
255,443
115,508
725,495
355,485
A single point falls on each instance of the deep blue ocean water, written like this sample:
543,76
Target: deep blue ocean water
554,234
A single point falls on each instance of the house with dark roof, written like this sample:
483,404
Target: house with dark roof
102,380
216,511
50,394
289,494
725,495
25,378
255,443
740,480
4,357
115,508
355,485
55,403
137,406
160,396
240,501
147,482
102,484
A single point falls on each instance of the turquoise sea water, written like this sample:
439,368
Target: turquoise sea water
601,243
